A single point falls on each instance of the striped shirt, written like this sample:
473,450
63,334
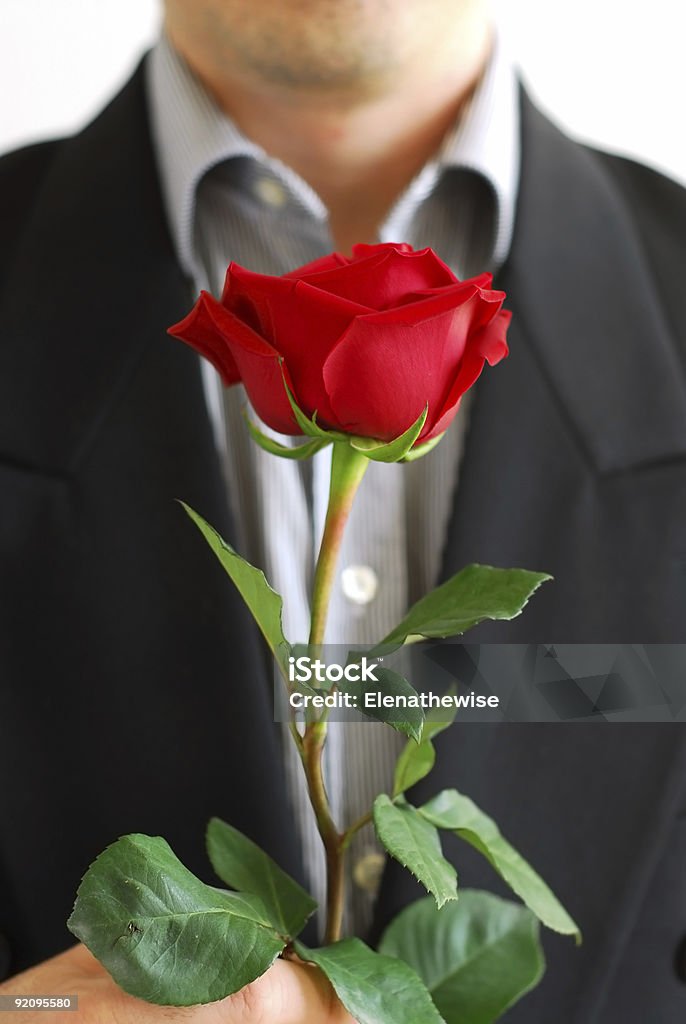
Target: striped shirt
226,199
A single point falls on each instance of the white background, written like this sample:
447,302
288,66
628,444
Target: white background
611,71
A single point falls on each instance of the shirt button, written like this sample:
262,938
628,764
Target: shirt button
359,583
270,191
368,870
680,961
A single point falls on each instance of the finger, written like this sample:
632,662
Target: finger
289,993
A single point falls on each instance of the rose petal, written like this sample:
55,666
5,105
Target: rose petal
384,276
492,340
385,370
199,330
302,323
439,300
482,281
487,346
334,259
361,249
231,345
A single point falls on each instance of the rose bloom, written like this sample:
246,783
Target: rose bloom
366,343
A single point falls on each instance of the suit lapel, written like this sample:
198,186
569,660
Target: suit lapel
584,295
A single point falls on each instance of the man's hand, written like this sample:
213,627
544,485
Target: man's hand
289,993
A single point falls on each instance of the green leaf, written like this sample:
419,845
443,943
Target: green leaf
243,865
391,451
403,832
374,989
264,603
439,719
299,451
164,935
450,810
407,720
476,593
416,760
477,957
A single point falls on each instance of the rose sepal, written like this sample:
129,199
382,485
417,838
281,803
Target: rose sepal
298,452
422,449
309,426
378,451
395,450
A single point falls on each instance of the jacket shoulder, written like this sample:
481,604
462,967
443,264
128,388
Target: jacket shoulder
656,200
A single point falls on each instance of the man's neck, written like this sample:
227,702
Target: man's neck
357,152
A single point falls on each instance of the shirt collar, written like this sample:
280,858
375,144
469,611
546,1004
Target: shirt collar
191,135
486,140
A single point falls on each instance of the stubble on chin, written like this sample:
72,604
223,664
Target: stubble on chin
334,46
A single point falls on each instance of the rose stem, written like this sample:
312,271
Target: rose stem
347,469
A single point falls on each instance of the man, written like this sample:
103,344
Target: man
129,692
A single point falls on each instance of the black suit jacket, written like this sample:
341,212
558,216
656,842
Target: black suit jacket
134,695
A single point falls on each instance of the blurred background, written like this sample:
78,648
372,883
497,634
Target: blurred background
611,71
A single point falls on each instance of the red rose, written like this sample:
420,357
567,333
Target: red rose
366,343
